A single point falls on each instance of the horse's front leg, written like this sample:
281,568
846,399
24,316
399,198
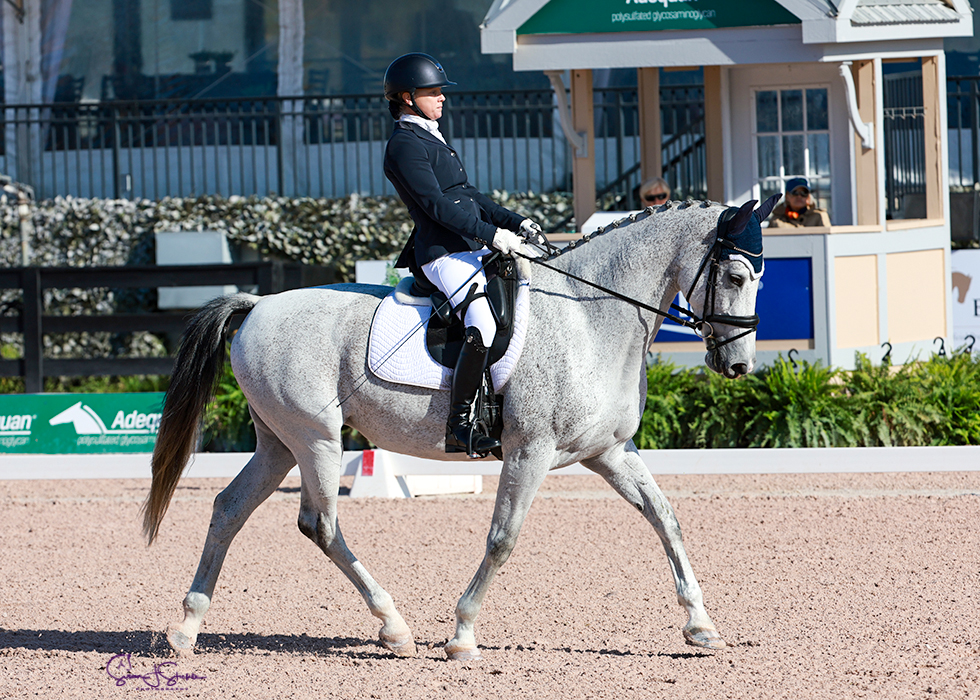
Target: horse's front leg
514,496
629,476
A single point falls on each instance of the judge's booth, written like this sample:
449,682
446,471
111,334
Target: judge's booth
845,94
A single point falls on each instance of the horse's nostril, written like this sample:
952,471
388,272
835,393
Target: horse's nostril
739,369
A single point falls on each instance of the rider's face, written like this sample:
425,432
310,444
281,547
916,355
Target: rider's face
429,101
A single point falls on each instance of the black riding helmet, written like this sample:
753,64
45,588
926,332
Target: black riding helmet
410,72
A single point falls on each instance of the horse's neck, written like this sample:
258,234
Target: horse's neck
649,260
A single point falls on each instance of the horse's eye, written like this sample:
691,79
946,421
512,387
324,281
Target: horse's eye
737,280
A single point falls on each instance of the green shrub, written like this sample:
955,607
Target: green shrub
663,424
228,424
953,388
893,407
802,406
719,411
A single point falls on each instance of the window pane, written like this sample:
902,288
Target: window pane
792,102
793,155
821,194
816,110
768,156
819,147
766,115
767,188
190,9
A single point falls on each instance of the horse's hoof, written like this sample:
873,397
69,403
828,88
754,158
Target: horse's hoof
403,647
463,654
704,638
180,642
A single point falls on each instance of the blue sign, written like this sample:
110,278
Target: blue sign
784,304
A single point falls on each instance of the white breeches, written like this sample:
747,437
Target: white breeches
450,273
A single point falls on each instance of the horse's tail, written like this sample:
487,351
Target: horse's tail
197,368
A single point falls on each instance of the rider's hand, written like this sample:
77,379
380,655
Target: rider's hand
509,243
531,232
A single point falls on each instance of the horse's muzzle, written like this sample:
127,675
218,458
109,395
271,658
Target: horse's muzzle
734,370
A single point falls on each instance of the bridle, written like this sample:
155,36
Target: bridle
703,327
713,261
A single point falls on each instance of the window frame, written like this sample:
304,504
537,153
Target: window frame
778,88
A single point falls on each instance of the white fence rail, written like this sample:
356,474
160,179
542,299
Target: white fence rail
387,477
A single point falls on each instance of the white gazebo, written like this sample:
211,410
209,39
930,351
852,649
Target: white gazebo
792,87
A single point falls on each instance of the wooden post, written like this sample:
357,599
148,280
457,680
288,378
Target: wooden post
583,169
865,159
933,137
713,145
33,339
651,151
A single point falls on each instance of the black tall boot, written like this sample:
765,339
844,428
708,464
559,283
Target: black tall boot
461,435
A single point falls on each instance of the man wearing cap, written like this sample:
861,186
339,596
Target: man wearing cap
798,209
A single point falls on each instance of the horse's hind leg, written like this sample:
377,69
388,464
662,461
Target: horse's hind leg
626,473
232,507
320,467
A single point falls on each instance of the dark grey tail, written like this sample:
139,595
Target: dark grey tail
197,368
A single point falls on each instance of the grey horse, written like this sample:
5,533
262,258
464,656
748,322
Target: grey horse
575,395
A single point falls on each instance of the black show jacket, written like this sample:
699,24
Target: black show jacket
450,215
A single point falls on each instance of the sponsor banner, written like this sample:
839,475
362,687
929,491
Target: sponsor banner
598,16
784,304
966,298
79,423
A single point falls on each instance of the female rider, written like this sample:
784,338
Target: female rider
455,225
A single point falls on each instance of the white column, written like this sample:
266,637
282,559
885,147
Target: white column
292,31
22,85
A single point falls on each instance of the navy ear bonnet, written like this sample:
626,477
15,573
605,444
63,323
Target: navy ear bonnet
740,233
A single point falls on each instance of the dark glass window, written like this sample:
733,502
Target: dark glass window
190,9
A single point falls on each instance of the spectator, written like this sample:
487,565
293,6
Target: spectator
799,208
654,192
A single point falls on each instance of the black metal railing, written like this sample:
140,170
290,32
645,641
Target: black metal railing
324,146
904,134
33,324
963,118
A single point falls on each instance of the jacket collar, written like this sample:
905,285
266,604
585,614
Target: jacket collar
421,133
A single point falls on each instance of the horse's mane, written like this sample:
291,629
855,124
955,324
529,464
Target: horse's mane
631,219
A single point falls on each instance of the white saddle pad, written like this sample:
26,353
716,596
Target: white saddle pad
396,346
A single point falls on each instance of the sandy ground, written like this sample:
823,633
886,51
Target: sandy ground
828,586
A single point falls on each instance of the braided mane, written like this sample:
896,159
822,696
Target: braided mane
626,221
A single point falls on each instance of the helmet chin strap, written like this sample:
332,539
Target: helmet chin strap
416,108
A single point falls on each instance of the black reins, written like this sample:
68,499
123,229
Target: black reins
702,327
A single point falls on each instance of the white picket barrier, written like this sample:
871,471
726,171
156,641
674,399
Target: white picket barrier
391,475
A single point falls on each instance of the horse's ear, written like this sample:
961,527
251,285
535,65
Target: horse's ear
763,212
738,222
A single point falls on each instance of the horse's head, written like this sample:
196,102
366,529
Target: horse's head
724,291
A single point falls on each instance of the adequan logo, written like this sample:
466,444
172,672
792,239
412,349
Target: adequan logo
87,422
16,425
126,429
15,429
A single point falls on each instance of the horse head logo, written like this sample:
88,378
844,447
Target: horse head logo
961,283
86,421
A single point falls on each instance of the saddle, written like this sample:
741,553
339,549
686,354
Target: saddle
398,354
444,335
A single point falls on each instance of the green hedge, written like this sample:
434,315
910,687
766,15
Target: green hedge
936,402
